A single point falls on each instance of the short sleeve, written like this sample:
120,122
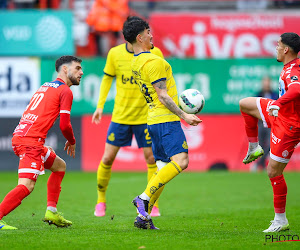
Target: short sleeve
156,70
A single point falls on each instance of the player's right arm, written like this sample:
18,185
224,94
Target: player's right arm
165,99
109,74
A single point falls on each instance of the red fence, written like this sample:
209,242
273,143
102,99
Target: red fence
219,139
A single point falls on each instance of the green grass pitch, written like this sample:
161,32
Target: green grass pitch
213,210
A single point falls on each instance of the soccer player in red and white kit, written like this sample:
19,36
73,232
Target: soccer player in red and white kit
283,117
51,100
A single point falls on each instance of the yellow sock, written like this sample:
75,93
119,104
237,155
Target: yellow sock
152,168
154,199
162,177
103,177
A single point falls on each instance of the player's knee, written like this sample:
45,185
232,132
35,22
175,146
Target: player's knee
29,184
150,159
243,104
273,171
61,165
183,163
107,160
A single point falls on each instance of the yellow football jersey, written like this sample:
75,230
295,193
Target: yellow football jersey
148,69
130,106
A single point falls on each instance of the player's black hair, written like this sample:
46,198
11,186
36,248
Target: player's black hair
292,40
65,59
132,27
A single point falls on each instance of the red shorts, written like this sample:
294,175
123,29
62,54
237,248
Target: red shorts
282,144
33,160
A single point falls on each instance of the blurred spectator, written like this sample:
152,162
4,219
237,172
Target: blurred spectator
287,3
251,4
24,4
106,18
3,4
264,133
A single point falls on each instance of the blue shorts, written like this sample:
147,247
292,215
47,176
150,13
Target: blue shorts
168,139
120,135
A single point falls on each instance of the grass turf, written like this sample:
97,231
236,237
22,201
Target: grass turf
214,210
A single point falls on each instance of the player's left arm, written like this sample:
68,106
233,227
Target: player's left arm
291,94
66,99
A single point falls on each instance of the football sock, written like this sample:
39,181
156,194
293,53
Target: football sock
103,177
162,177
251,127
54,187
52,209
13,199
280,216
279,192
152,168
252,146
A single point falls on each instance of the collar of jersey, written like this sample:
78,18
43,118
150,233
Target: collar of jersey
142,53
59,81
128,49
291,62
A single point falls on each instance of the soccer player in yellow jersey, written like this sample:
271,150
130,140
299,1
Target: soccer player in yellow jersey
129,117
155,78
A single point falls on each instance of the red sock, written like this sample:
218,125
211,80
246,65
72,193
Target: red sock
54,188
251,127
13,199
280,192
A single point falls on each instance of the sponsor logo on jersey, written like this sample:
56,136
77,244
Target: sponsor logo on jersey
54,84
111,137
33,164
294,78
275,140
128,79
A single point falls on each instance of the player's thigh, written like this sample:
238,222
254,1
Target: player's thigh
249,106
110,153
58,165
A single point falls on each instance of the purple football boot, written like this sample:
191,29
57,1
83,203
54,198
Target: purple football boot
144,224
142,207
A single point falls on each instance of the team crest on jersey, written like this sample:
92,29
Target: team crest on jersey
294,78
184,145
111,137
285,153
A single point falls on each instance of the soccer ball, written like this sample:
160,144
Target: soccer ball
191,101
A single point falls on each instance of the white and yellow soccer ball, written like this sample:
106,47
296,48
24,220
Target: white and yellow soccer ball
191,101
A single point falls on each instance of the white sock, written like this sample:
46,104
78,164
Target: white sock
252,146
280,216
52,209
143,196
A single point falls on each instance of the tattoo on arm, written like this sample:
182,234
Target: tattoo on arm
165,99
171,105
161,85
